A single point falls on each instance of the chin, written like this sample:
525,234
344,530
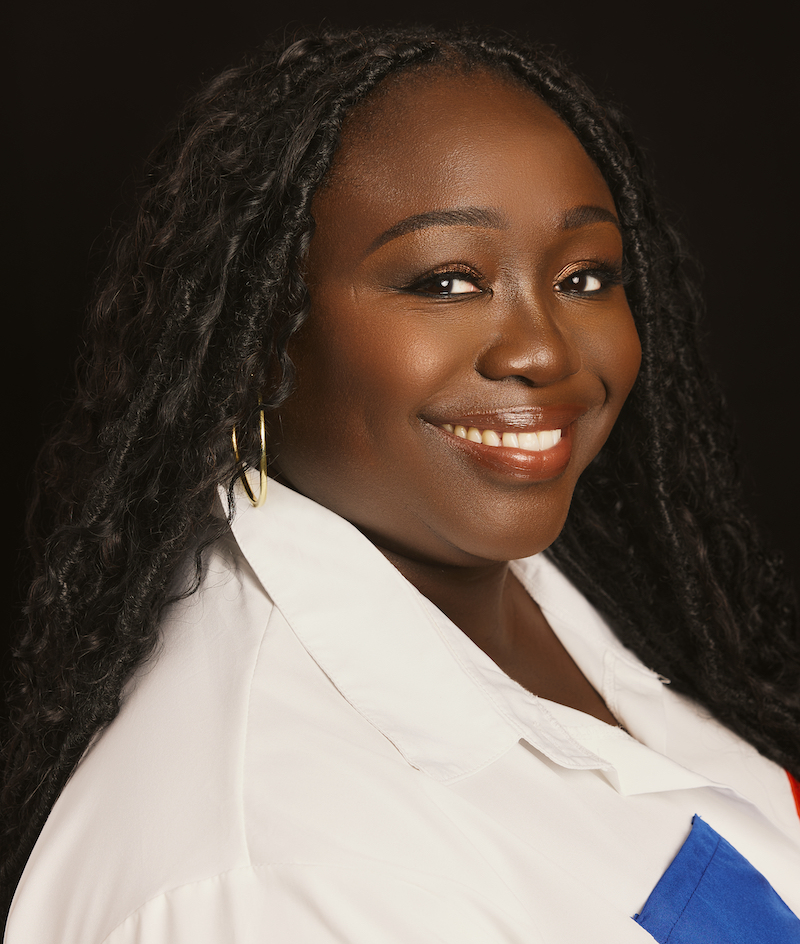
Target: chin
506,541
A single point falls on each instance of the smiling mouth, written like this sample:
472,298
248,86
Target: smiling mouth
539,441
530,444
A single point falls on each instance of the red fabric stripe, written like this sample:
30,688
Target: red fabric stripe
795,791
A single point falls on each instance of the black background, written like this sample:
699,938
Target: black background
711,95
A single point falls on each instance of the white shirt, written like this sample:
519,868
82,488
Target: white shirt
316,754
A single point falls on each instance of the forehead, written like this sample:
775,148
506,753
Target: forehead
434,139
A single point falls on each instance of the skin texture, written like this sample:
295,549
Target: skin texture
502,311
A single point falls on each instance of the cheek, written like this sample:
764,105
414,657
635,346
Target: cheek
627,357
380,364
616,355
362,378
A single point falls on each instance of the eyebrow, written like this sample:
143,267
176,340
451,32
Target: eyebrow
586,215
485,217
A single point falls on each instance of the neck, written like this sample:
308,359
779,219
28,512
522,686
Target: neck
479,600
492,607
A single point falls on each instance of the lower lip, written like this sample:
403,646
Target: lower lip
519,463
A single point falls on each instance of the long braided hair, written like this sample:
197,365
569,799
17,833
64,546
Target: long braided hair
190,329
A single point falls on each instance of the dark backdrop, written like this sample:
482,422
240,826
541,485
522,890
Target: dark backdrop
710,94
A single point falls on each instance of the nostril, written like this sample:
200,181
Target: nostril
533,358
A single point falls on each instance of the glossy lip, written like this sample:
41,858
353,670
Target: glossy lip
521,464
517,419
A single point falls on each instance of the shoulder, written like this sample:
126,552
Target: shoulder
156,801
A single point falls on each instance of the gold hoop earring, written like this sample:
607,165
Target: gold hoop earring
262,465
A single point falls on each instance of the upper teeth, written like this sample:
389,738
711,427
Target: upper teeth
531,442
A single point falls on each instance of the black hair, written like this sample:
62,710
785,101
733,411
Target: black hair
190,329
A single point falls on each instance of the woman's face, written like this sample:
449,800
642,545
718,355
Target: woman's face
464,272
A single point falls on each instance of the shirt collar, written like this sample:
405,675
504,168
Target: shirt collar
564,735
367,628
404,666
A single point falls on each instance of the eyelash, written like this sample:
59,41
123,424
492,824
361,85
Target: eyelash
608,274
449,273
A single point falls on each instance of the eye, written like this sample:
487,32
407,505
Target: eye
589,281
447,284
582,282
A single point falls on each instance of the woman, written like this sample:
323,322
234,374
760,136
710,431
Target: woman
420,274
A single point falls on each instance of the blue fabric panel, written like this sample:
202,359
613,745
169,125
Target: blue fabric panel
711,894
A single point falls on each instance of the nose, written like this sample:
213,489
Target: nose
528,343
